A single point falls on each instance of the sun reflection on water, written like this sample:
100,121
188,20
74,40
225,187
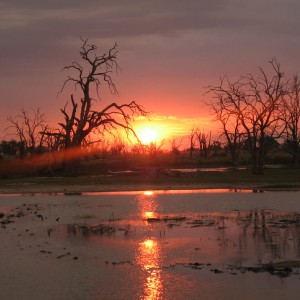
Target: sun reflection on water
149,254
147,205
148,193
149,214
149,258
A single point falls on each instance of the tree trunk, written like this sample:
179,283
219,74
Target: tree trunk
257,163
260,161
260,158
233,154
296,158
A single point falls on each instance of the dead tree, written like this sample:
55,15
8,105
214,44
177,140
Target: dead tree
192,143
154,148
255,103
85,113
231,128
175,145
30,129
204,142
291,120
117,146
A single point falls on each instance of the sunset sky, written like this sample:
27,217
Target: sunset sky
169,51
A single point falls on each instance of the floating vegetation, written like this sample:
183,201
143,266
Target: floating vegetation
99,229
86,216
63,255
281,269
166,219
115,263
201,222
72,193
45,252
19,212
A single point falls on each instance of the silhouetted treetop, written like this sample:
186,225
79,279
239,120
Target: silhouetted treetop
84,114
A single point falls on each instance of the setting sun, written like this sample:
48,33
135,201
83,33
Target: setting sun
147,135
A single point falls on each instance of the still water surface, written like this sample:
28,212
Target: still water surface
151,245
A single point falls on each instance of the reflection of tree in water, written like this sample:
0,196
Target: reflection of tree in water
255,236
272,233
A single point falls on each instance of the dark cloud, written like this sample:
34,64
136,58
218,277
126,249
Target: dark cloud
39,30
103,19
162,43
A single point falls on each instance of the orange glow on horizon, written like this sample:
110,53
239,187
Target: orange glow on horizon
162,130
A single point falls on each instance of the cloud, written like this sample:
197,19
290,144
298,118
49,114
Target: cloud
169,50
35,27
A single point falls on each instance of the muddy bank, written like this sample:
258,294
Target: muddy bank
32,188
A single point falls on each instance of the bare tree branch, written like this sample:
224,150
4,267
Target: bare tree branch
28,127
253,105
84,115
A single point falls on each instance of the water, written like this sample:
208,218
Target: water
150,245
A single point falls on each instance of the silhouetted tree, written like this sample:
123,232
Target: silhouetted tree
231,127
86,115
9,147
175,145
117,146
192,142
103,148
204,141
30,129
154,148
215,147
291,119
255,103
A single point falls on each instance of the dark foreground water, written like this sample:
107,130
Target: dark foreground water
151,245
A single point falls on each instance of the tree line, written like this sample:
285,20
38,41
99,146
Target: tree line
255,109
251,112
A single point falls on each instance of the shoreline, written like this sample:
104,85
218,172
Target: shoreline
284,179
33,188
